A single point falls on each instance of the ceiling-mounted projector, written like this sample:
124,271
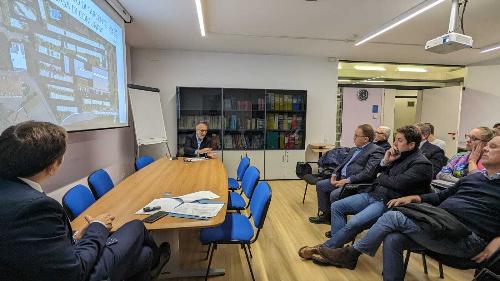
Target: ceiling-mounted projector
448,43
451,41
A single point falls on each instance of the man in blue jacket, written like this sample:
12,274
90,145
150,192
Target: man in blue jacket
358,167
36,239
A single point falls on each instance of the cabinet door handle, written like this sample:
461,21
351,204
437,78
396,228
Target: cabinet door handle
283,158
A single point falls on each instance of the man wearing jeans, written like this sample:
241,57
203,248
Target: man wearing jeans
358,167
474,201
405,171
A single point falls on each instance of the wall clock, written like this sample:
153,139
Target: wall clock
362,94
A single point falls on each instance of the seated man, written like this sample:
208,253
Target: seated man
432,152
405,171
435,141
474,202
37,242
199,144
382,135
358,166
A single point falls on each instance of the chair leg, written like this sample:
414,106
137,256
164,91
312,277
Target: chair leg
208,251
441,272
210,260
250,251
305,192
407,259
424,263
248,260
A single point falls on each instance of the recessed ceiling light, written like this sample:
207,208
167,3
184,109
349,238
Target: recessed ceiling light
490,48
411,13
412,69
339,66
344,80
369,67
373,81
200,17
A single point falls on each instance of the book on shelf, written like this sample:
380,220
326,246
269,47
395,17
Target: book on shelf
188,122
240,141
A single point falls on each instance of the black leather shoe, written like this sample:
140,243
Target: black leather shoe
164,258
328,234
321,219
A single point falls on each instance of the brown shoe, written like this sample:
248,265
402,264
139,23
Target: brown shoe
307,252
346,257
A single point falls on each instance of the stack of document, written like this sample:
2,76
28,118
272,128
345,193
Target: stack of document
196,159
194,205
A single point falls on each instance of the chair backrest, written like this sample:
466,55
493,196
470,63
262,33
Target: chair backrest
77,200
259,205
143,161
100,183
250,180
242,167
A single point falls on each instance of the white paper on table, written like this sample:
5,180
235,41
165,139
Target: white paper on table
198,210
166,204
191,197
196,159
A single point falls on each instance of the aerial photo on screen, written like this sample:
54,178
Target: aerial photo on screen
61,61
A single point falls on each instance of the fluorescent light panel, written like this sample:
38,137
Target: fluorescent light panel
411,69
490,48
344,80
200,17
411,13
369,67
373,81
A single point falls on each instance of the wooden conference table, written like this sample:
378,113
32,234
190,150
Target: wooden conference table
175,176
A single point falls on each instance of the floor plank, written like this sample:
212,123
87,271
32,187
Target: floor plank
286,230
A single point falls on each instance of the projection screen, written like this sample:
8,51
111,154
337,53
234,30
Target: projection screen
62,61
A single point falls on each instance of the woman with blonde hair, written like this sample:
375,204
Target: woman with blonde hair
469,162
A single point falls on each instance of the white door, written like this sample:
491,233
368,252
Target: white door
275,164
441,108
291,159
405,111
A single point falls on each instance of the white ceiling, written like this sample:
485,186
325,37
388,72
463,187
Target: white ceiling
323,28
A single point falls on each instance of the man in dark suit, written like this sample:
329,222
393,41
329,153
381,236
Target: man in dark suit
359,166
433,152
382,135
36,239
199,144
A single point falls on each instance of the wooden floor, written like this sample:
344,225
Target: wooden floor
287,229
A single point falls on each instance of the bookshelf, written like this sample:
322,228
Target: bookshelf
268,125
285,119
244,119
196,104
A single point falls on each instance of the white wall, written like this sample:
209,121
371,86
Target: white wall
481,98
165,69
389,105
356,112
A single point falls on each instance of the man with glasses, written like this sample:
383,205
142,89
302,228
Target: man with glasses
434,153
404,171
382,135
199,144
358,167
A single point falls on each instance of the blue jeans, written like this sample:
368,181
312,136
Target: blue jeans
327,193
399,233
366,211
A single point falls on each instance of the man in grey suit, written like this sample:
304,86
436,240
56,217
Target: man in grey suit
359,166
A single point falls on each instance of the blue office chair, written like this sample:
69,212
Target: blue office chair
77,200
143,161
242,167
100,183
237,228
250,180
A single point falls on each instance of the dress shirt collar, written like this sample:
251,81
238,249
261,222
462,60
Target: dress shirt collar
33,184
495,176
422,143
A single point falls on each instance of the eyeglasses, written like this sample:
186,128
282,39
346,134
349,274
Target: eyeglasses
356,136
202,131
472,138
380,133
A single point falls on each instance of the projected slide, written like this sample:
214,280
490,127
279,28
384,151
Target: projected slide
61,61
